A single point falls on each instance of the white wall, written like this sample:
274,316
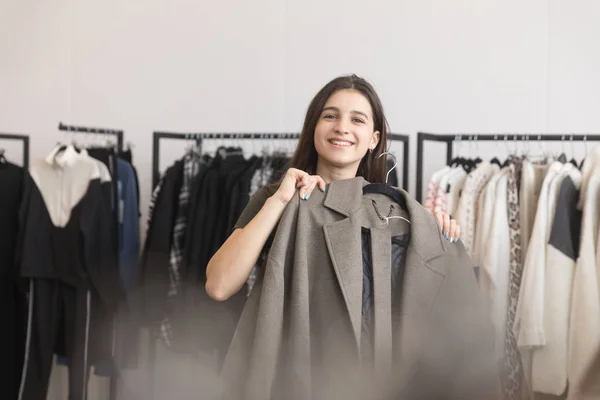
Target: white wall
440,66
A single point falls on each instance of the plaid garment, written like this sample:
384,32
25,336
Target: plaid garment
191,166
151,207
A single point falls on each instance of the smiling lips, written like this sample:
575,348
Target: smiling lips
341,143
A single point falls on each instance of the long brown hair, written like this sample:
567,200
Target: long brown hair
371,167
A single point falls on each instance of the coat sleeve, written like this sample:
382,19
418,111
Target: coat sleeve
24,210
154,273
462,357
98,230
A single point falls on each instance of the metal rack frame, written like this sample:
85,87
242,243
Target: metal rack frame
24,139
101,131
449,139
157,136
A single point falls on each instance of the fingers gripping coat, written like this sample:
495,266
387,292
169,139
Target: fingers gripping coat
299,334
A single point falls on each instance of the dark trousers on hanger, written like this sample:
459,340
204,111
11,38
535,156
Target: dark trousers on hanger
59,321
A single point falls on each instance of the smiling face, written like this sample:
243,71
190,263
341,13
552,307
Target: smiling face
344,133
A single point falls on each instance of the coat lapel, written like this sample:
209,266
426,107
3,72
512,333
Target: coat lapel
344,245
421,282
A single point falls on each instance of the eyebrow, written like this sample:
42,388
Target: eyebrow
353,111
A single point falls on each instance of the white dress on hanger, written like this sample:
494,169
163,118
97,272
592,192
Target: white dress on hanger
550,361
496,261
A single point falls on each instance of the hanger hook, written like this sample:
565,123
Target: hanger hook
391,169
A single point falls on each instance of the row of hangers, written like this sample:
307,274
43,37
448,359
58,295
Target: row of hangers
468,164
377,188
94,137
225,147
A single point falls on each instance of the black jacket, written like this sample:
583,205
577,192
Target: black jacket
157,249
11,186
81,253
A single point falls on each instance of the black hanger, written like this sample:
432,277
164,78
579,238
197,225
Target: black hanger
383,188
562,158
457,162
2,159
496,161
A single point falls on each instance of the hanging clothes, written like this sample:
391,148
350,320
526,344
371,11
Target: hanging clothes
495,260
528,325
466,213
514,384
67,253
121,328
194,209
584,327
539,276
550,360
13,304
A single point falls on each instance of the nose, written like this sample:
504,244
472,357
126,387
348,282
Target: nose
342,126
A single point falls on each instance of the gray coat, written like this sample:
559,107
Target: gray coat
299,334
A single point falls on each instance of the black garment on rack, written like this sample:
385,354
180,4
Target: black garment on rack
154,272
232,170
79,254
63,323
222,191
13,305
127,156
195,223
240,194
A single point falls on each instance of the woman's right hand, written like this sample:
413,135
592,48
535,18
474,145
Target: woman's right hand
294,179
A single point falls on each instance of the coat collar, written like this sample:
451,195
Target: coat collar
345,197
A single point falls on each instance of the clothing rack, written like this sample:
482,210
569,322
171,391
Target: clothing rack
449,139
119,135
198,137
101,131
25,140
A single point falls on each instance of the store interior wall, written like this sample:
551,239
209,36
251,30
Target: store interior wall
470,66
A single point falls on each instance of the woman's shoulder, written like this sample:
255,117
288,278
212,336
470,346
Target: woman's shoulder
269,189
257,201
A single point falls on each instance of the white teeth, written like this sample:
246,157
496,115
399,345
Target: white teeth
340,143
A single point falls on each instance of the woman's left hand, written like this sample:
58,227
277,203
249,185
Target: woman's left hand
450,228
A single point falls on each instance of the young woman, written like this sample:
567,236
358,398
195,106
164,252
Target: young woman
344,133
